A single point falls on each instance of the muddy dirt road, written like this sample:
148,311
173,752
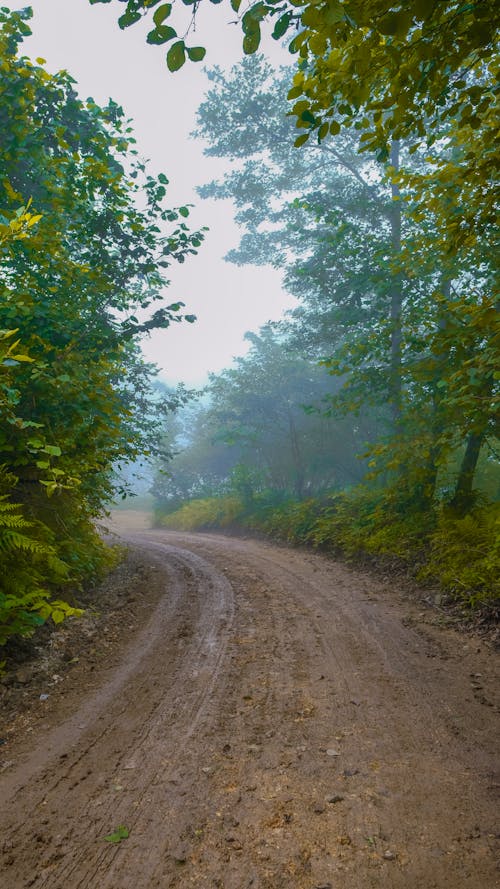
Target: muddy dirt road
278,720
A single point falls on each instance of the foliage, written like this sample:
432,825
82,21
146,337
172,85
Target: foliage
461,555
214,512
465,555
30,564
410,329
260,428
85,244
367,56
413,71
119,834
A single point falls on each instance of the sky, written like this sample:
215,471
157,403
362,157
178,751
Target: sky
106,62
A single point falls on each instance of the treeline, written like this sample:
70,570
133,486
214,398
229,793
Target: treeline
368,419
85,244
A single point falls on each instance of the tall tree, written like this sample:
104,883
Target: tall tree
99,246
372,268
260,431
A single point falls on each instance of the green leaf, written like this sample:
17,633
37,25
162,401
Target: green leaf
121,833
53,450
196,53
184,212
162,13
281,26
161,35
307,117
176,56
251,42
22,358
129,18
301,140
235,4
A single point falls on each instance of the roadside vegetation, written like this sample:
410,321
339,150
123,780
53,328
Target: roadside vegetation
85,244
367,420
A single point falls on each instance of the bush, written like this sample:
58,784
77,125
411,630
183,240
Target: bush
202,515
30,566
465,555
461,554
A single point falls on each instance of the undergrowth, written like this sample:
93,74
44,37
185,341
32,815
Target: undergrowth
462,555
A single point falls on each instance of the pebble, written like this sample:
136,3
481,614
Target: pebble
332,752
24,675
389,856
336,798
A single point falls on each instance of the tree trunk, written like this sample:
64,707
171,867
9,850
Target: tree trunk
436,424
296,457
463,498
396,295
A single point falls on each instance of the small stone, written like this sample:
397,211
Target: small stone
23,675
44,697
319,810
389,856
332,752
336,798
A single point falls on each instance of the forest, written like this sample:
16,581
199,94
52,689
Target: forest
365,422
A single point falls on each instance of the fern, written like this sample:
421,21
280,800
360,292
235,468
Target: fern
30,565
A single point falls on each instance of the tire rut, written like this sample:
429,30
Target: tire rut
276,727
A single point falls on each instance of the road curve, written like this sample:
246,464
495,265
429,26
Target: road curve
280,721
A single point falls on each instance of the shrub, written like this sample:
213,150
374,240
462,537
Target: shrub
461,554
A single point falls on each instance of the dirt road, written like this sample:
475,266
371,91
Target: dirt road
278,720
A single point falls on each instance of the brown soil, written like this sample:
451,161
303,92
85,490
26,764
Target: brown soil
255,717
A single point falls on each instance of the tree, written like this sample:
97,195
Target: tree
262,431
391,72
86,242
380,292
